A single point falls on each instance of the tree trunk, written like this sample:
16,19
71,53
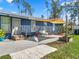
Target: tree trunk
66,33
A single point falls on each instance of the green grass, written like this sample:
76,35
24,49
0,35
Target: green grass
67,51
5,57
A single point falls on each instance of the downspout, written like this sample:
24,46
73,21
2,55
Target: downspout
53,27
11,24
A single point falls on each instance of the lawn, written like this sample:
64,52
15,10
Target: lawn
65,50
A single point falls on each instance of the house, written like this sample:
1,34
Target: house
9,21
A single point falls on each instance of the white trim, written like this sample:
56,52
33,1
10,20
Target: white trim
53,27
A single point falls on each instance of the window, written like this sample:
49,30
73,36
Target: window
33,26
5,24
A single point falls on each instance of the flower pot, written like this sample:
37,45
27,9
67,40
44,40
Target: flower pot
1,39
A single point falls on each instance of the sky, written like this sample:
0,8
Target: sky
37,5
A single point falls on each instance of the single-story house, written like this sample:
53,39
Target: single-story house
9,21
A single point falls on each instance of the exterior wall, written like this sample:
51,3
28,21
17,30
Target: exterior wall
26,26
50,27
45,26
54,28
25,22
40,25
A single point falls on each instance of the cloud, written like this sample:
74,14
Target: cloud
45,9
14,12
63,4
76,0
1,8
9,1
0,0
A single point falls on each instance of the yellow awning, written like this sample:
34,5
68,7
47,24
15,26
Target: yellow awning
56,21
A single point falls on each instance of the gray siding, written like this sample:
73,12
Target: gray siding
39,25
25,26
25,22
50,27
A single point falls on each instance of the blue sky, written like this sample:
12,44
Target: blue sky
37,5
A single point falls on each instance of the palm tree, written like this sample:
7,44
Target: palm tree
55,9
42,16
46,3
17,2
27,9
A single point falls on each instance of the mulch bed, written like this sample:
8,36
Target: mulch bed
57,44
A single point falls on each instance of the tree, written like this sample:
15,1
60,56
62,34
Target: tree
56,9
73,9
17,2
42,16
47,7
27,9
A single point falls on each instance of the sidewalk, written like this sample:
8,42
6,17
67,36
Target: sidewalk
36,52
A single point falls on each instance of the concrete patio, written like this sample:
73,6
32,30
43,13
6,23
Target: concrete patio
15,46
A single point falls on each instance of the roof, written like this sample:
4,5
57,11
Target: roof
15,15
56,21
